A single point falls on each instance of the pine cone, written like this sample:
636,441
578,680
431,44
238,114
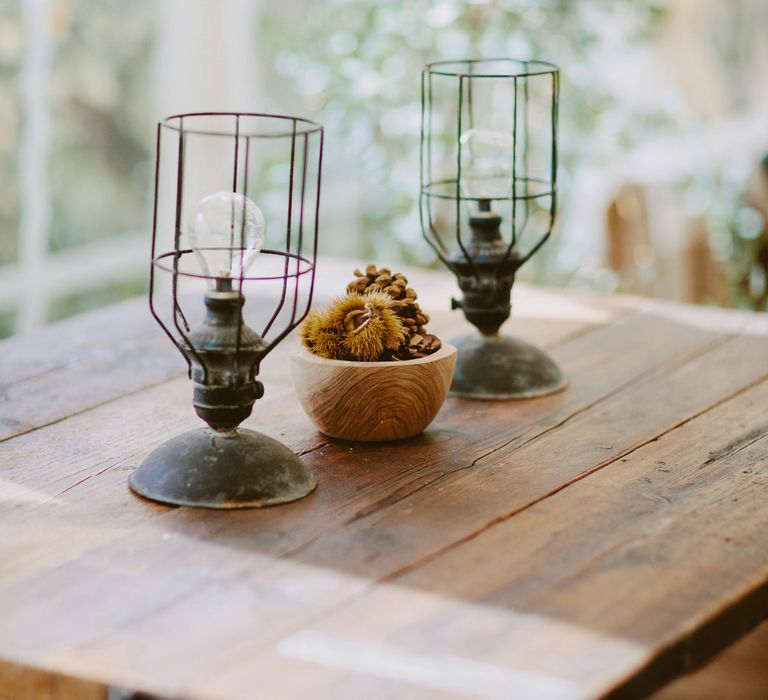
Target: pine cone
417,342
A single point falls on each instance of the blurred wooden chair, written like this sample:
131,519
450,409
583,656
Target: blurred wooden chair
658,251
739,673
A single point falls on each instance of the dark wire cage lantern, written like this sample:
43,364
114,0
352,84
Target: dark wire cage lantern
236,208
488,172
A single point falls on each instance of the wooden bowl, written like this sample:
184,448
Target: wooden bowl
370,401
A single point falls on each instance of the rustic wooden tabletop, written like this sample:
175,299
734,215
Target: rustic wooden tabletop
598,542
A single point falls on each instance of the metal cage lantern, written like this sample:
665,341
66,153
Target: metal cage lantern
236,206
487,204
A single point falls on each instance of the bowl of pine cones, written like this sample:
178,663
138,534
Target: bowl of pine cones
369,369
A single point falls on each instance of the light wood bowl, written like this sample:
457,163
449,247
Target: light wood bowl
372,401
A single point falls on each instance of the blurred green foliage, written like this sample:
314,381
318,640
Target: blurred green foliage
99,96
10,124
7,323
354,65
100,144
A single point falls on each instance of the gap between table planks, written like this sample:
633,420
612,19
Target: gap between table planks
704,343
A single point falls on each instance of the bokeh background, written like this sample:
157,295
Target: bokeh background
664,132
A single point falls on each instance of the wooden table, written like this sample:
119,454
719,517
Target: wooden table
594,543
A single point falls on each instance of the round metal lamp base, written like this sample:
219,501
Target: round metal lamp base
501,367
203,468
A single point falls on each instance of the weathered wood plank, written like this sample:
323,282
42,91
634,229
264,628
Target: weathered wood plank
81,464
661,558
174,399
349,492
480,493
52,347
70,367
126,575
71,478
103,359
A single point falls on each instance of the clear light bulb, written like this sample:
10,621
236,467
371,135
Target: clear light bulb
227,233
486,168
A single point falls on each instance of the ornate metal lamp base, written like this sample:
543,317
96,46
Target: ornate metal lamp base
501,367
242,469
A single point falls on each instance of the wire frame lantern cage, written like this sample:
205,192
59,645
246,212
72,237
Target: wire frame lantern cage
488,200
236,207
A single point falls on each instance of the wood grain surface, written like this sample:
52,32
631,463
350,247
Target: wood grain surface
372,401
594,543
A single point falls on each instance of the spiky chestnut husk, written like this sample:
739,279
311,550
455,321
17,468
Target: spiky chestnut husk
355,327
321,338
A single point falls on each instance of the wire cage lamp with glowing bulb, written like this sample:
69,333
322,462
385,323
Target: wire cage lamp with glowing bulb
488,172
236,207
